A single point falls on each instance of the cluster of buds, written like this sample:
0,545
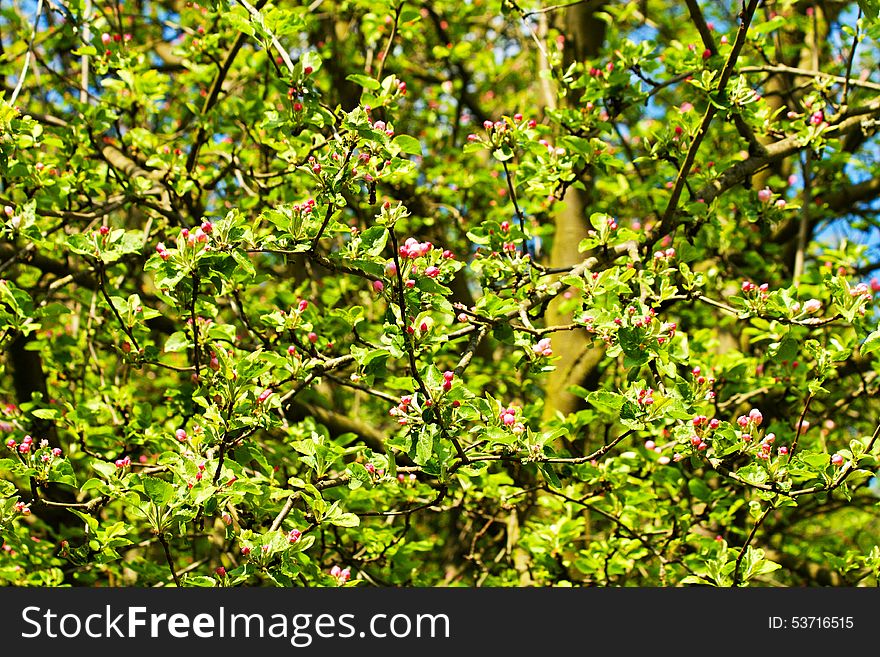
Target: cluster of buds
341,575
162,250
106,38
190,238
22,508
765,447
664,256
543,348
123,462
299,212
598,72
403,479
412,248
702,427
751,421
645,396
651,446
751,288
381,126
14,219
704,384
402,410
448,376
861,290
27,449
755,295
306,207
508,417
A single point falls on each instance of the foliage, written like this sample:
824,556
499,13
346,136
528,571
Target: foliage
283,300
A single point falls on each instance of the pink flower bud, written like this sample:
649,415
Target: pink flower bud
264,395
816,118
106,38
432,272
378,286
181,434
837,459
756,416
303,304
765,195
812,306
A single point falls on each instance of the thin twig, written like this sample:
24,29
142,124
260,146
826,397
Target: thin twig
799,428
165,547
849,61
387,51
742,552
711,110
804,221
102,284
27,55
552,8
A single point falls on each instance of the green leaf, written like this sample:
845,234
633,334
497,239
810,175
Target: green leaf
607,401
424,447
62,473
871,343
158,490
699,489
344,520
364,80
870,8
177,341
408,144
